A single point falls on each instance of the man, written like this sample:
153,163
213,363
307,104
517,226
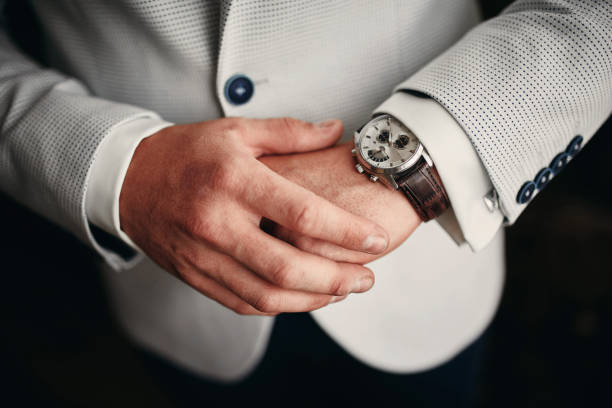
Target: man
125,135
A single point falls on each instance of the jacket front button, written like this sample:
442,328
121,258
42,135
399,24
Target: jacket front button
526,192
239,89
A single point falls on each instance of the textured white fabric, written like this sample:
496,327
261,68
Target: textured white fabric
311,59
523,84
456,162
423,311
51,128
164,315
108,172
319,59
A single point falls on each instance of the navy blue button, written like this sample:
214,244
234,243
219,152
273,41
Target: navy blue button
574,146
526,192
559,162
239,89
543,177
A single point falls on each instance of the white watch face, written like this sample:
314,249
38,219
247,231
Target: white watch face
386,143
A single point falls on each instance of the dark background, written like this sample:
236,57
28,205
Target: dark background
549,344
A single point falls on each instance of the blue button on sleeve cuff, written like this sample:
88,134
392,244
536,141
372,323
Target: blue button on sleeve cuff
559,162
526,192
543,178
574,146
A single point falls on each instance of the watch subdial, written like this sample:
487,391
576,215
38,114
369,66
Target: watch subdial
378,156
383,136
401,142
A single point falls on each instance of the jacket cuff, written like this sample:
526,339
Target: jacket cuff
109,169
464,177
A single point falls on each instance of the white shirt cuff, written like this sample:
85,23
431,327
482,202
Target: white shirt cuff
108,172
464,177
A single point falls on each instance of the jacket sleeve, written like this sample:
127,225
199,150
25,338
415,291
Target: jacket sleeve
528,88
50,131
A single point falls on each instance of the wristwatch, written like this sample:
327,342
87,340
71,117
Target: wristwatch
387,151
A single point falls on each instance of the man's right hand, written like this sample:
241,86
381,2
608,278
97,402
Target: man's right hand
193,199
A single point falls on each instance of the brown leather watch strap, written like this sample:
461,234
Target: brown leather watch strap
422,186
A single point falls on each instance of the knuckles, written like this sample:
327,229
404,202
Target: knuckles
287,276
224,176
305,217
203,216
282,275
202,224
244,309
234,129
293,127
339,287
267,303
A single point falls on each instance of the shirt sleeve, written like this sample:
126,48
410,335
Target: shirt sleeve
466,182
109,169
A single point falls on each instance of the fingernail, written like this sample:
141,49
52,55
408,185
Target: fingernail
327,123
375,244
363,284
335,299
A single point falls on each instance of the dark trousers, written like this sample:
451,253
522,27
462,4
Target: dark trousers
304,367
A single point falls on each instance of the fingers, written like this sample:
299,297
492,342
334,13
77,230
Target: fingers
221,295
288,135
290,268
300,210
239,289
316,246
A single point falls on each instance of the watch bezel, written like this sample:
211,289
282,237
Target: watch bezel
389,172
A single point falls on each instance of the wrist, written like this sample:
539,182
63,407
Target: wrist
456,160
331,174
143,173
388,152
108,172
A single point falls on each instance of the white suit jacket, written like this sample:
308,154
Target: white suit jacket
522,91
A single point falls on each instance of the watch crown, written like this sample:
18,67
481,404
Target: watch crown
359,168
354,152
373,178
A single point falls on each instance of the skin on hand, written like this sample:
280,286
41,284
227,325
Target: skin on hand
193,199
331,174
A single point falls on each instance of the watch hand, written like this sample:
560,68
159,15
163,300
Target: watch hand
392,155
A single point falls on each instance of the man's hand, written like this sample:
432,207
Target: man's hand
331,174
193,199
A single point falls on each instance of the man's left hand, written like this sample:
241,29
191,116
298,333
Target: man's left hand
331,174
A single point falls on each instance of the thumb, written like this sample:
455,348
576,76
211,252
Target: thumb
289,135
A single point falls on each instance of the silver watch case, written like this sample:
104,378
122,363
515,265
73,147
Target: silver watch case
386,176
